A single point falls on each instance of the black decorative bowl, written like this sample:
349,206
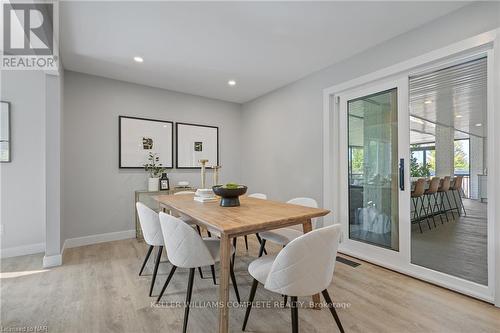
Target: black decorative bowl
229,196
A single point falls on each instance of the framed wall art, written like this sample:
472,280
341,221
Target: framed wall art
195,143
140,136
5,151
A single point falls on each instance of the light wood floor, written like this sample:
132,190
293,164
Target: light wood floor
98,290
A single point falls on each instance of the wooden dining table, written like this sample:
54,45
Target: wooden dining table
252,216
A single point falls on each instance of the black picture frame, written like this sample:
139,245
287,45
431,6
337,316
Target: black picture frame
177,166
9,139
120,165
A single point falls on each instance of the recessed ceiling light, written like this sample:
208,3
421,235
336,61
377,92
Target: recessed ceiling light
427,102
479,124
231,83
138,59
458,116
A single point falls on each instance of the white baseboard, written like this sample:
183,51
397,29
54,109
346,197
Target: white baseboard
52,261
22,250
100,238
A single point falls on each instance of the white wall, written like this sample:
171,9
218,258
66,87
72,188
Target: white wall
53,127
22,181
282,131
98,197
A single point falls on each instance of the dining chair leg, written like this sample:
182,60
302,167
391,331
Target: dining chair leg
295,314
250,300
285,298
332,309
246,242
146,259
234,245
172,271
262,247
212,268
199,230
157,263
188,299
201,272
209,233
260,242
233,281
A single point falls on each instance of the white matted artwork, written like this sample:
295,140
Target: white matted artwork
140,136
195,143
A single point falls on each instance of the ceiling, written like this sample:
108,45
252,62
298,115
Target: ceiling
197,47
453,97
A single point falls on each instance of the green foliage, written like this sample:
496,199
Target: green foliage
417,170
357,160
461,160
152,166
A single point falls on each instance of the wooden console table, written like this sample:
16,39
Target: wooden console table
146,197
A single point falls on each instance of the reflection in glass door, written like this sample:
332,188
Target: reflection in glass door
373,169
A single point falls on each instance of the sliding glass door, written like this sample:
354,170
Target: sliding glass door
373,169
373,195
412,175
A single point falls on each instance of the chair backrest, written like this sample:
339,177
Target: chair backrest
184,192
457,182
305,266
434,185
419,187
308,202
258,196
150,225
445,184
185,248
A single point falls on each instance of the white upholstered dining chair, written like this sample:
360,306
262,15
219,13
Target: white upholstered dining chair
303,268
186,249
151,231
283,236
190,221
256,196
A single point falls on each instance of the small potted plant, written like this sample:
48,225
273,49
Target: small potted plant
155,170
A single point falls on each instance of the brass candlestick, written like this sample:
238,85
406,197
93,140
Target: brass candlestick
216,174
203,173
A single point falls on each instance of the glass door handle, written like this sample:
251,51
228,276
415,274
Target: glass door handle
402,174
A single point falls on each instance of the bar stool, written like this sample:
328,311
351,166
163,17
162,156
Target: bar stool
416,194
186,249
457,187
431,193
444,187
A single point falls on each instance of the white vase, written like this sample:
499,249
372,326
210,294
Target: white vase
153,184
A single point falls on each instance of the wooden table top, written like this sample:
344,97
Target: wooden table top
254,215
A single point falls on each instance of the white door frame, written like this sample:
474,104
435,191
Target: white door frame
486,43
